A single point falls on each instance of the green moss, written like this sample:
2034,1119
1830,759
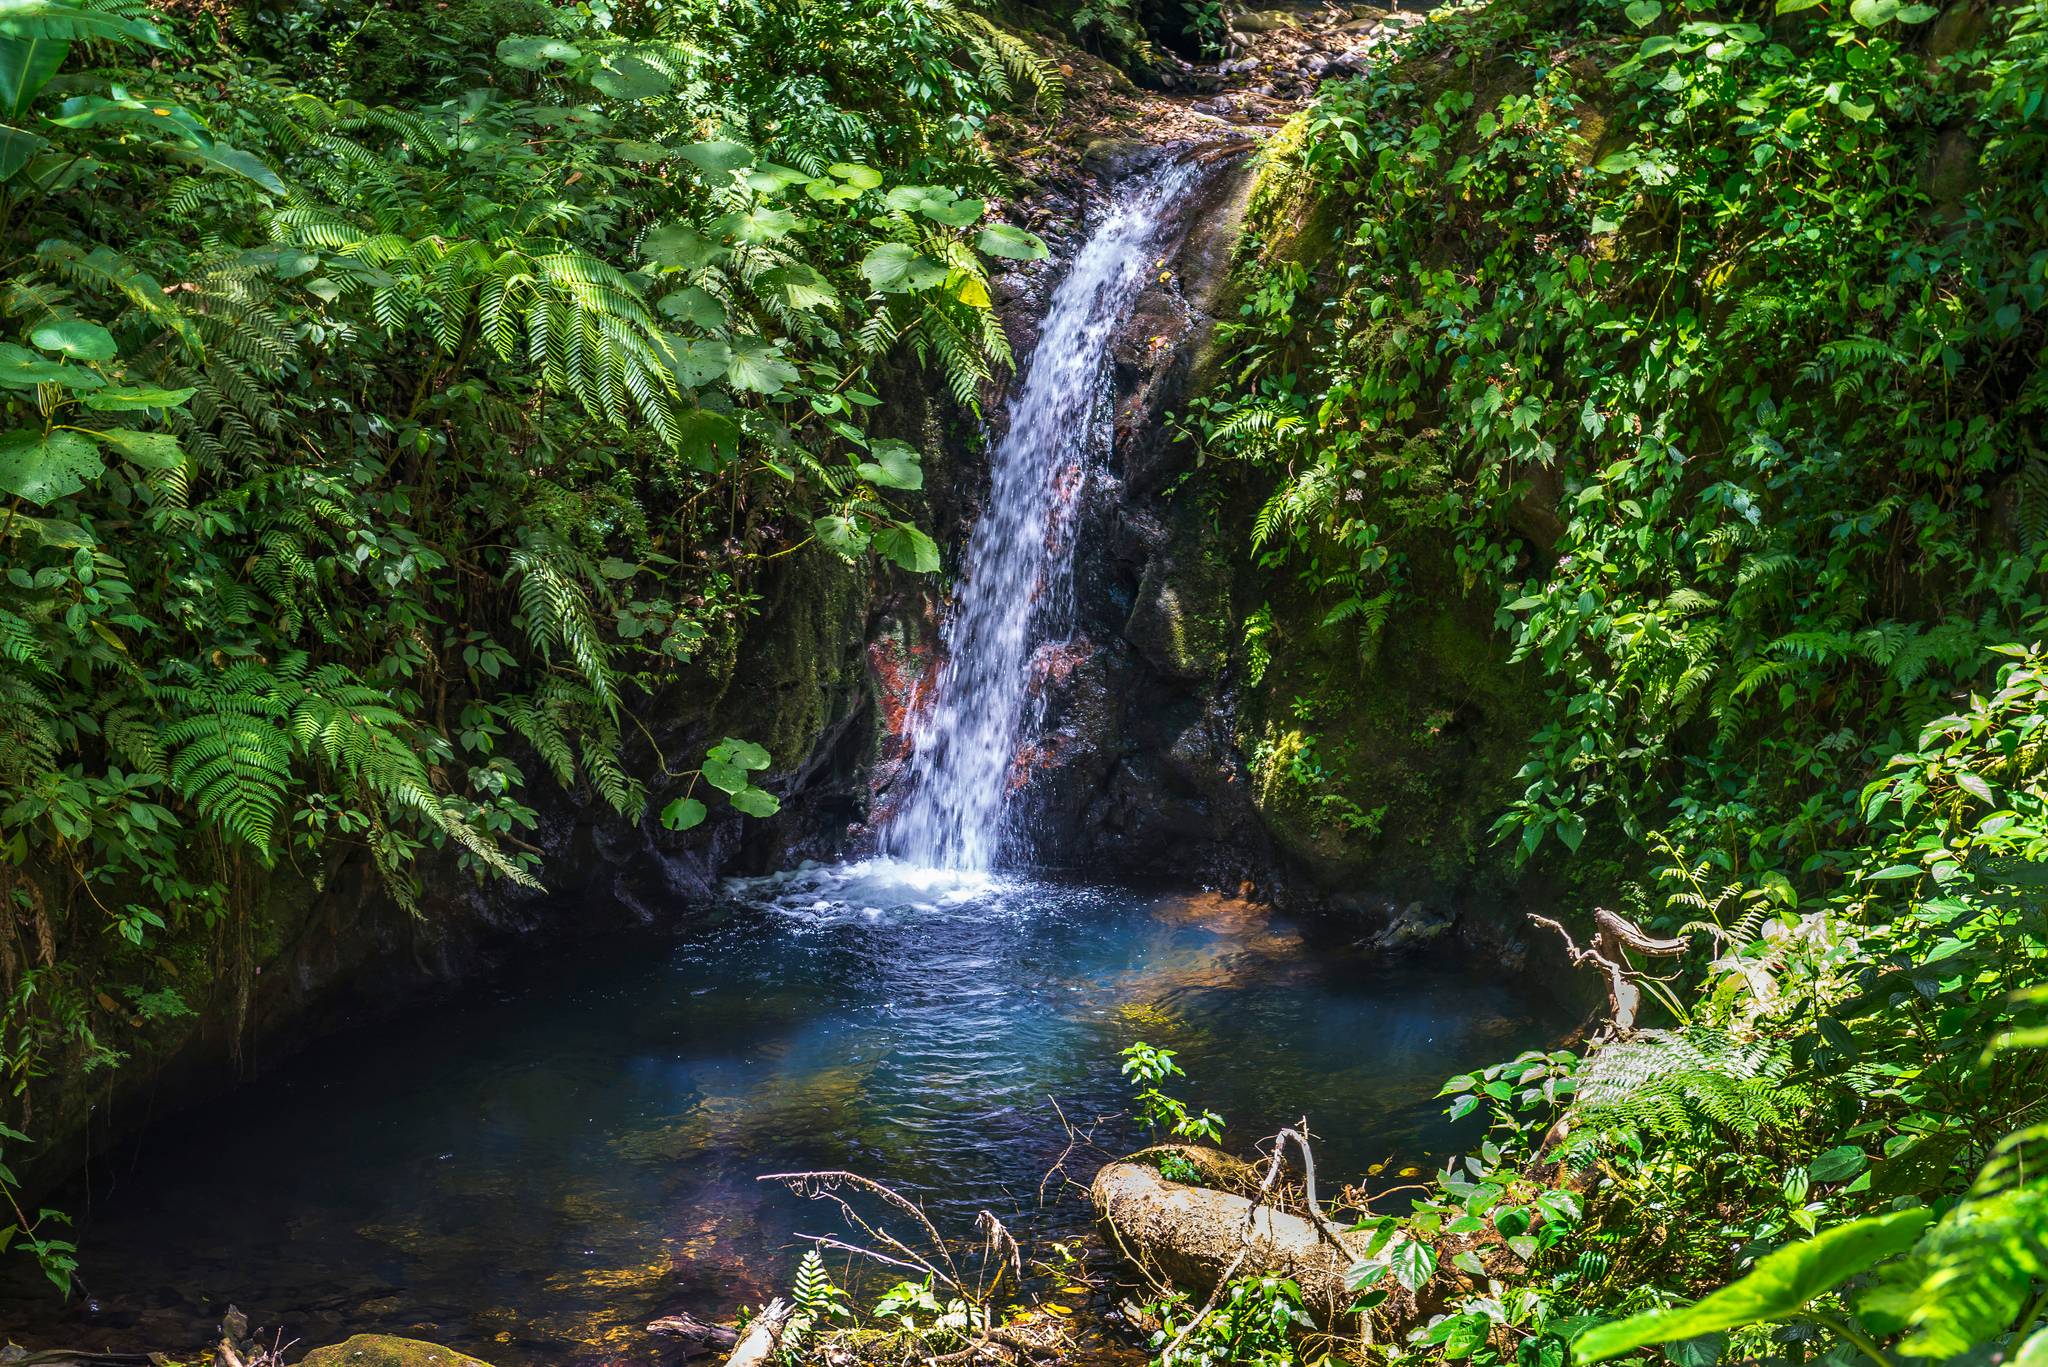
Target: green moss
382,1350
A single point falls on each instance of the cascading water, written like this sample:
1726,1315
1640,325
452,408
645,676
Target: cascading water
1017,593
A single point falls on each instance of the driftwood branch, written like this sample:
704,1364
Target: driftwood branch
825,1186
757,1347
1614,936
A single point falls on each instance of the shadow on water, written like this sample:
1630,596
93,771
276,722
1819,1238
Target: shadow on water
533,1172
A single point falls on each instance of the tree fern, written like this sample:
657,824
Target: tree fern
224,750
1671,1083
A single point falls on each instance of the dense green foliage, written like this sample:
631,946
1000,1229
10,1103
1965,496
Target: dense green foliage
391,398
1707,341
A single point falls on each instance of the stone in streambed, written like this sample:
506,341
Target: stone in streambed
382,1350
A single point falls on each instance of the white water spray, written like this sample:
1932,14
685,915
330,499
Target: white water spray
1017,594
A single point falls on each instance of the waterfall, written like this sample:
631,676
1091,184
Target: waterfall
1017,593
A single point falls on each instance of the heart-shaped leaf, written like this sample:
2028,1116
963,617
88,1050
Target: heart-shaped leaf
706,439
757,365
893,268
683,813
908,547
680,245
698,360
956,213
1004,239
533,53
837,531
626,77
718,156
150,450
21,368
743,753
694,305
43,468
892,465
76,338
726,777
858,176
756,802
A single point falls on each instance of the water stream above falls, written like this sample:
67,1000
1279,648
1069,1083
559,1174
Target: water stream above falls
533,1171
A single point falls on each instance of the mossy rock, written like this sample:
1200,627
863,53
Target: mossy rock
382,1350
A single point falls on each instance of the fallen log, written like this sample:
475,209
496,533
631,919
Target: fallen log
698,1338
757,1347
1195,1236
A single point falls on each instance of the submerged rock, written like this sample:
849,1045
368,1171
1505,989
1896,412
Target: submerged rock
383,1350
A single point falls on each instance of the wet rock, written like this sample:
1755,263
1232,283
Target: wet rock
383,1350
1265,20
1111,159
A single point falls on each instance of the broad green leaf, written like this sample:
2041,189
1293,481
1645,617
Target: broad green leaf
75,338
908,547
626,77
846,535
54,19
158,116
26,66
1643,13
235,161
800,286
757,365
707,439
1777,1288
1008,240
533,53
893,465
718,156
18,147
1704,1351
893,268
958,213
769,179
44,468
128,398
756,802
698,360
151,450
21,368
1874,13
829,192
1794,6
855,175
1413,1263
683,813
694,305
743,753
638,152
680,245
1838,1164
912,199
2034,1352
727,778
757,226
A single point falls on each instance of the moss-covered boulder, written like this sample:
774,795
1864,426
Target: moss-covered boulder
383,1350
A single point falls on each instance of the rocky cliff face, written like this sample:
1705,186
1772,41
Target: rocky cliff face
1204,723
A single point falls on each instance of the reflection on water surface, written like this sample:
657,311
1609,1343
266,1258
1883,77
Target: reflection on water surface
534,1172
